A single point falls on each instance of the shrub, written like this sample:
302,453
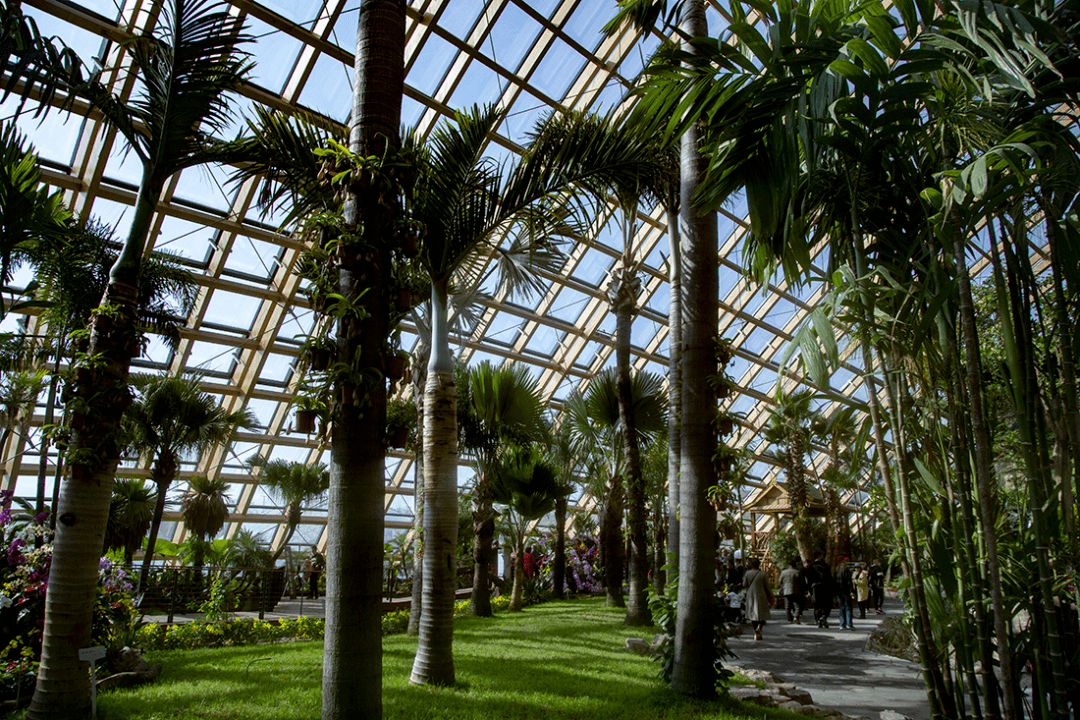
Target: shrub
24,578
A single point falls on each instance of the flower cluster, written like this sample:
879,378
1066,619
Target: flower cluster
25,561
582,558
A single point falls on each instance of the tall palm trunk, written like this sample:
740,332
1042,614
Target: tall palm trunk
434,662
694,672
352,652
417,607
101,396
941,705
674,382
623,296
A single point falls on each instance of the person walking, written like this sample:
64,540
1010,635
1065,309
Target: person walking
758,597
877,587
862,588
791,587
313,566
845,590
822,590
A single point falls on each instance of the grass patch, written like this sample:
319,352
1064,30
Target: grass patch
557,660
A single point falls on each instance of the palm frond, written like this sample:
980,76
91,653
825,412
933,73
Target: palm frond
186,70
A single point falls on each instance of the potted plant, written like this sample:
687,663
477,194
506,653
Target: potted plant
400,423
396,365
308,409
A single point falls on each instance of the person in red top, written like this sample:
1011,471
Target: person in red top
529,560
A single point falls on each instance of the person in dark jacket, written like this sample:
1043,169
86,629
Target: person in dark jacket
845,591
822,590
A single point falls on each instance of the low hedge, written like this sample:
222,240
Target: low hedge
250,631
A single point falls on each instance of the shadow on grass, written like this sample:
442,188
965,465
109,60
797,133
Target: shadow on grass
557,661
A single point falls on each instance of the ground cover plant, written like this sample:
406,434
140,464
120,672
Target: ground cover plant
557,660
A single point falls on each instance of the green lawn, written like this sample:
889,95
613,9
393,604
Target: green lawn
556,660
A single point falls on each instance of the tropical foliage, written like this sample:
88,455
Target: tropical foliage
905,141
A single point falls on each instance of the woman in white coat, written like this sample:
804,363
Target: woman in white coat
758,597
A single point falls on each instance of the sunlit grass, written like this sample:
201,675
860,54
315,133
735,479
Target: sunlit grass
557,660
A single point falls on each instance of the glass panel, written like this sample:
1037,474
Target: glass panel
560,65
275,54
460,18
480,86
511,38
431,65
329,89
211,358
187,239
587,22
52,136
206,185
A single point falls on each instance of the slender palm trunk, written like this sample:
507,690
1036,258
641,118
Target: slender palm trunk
558,569
694,672
1027,403
637,608
941,706
163,472
352,650
518,591
674,383
434,663
417,608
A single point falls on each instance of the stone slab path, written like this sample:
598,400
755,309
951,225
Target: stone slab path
834,666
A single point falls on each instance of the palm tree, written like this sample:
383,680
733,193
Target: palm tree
624,286
296,485
171,418
72,273
186,72
503,409
790,426
596,420
130,514
470,209
527,485
205,506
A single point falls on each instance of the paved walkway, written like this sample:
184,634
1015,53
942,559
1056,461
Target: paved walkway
834,666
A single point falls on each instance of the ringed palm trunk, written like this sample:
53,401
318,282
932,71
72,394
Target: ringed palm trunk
674,386
434,662
637,609
611,542
352,652
693,672
101,396
517,593
417,607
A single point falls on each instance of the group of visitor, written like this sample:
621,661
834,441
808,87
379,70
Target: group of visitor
747,596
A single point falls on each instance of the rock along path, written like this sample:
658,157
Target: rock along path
834,666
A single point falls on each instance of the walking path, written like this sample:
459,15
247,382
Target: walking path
834,666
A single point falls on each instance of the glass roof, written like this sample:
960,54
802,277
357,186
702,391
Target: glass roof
527,56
